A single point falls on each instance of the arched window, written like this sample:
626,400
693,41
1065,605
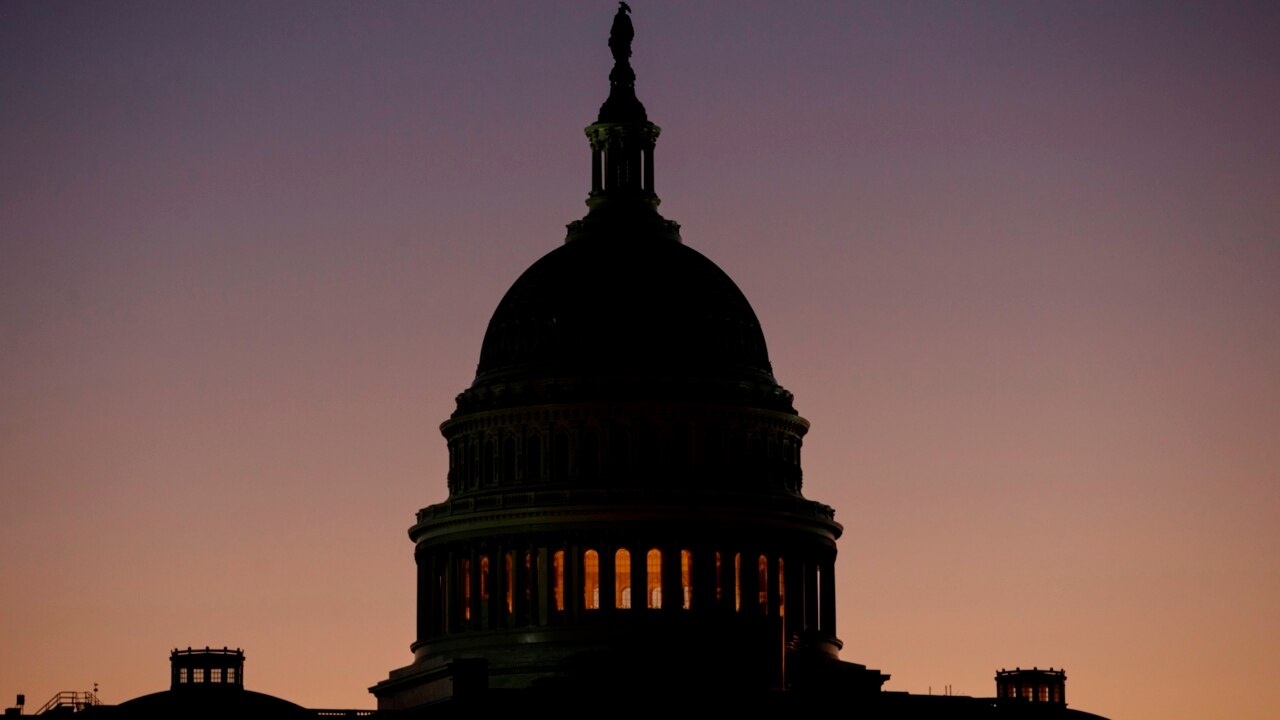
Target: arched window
646,446
617,459
473,463
508,460
686,578
653,577
557,567
591,580
622,579
488,476
559,457
590,455
533,459
484,578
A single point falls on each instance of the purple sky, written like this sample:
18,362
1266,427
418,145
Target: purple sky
1019,263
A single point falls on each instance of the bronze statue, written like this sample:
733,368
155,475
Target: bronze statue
620,34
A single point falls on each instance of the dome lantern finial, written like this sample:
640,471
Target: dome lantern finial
622,141
622,104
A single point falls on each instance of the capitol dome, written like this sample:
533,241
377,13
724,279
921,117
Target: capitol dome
623,306
624,481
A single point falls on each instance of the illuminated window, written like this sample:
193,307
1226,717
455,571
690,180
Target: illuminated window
1027,692
215,675
466,589
182,675
591,580
622,579
507,577
782,591
686,577
231,675
737,581
763,564
653,575
557,567
1044,693
484,578
197,675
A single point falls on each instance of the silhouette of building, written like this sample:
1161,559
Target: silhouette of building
625,528
625,518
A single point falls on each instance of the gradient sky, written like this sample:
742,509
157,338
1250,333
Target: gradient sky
1019,263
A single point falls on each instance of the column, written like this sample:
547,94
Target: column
827,611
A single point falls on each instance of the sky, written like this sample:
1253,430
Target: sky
1019,263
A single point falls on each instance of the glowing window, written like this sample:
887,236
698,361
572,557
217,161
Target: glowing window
763,564
557,566
591,580
737,581
622,579
215,675
507,577
182,675
484,578
231,675
1027,692
197,675
1044,693
466,589
653,576
686,577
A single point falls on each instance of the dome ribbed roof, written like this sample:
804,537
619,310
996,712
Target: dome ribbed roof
624,306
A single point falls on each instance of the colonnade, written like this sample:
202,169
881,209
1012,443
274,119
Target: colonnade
469,587
501,454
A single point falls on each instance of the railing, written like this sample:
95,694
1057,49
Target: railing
77,701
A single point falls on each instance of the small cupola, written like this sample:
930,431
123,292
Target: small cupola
206,668
1036,685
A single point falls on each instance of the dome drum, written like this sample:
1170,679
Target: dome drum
624,445
546,574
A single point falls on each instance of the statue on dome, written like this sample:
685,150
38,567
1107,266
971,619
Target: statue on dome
620,34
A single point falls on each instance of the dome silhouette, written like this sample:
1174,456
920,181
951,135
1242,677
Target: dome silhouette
608,306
